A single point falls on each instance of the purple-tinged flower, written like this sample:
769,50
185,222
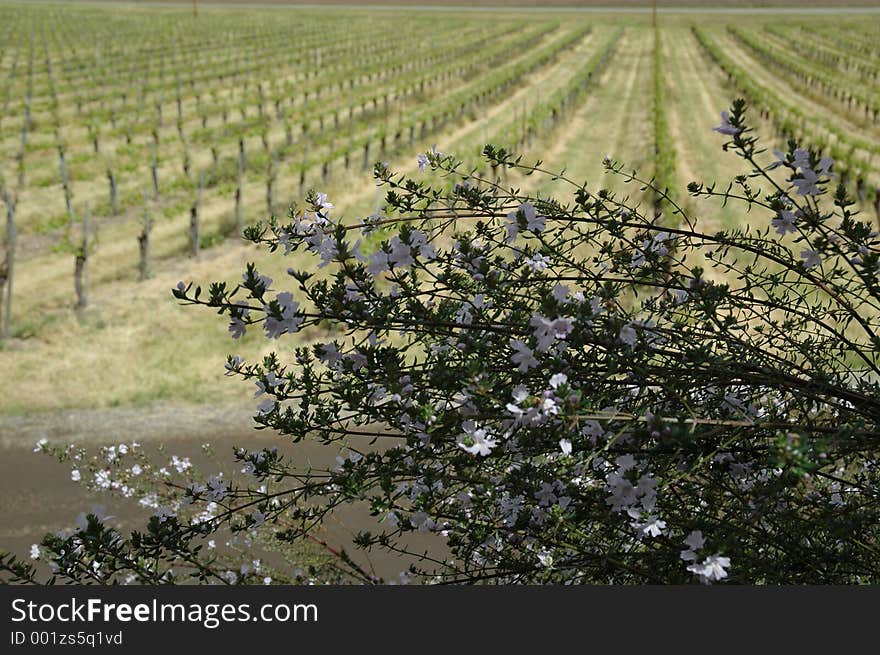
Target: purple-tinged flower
726,127
784,223
811,258
807,183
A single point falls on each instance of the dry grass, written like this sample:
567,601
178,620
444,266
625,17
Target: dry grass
136,345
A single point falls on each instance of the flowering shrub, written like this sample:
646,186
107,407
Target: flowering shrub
561,390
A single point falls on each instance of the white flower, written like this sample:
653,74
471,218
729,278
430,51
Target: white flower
546,559
480,443
628,335
522,356
151,500
35,551
102,479
322,203
329,353
539,262
653,527
781,159
549,407
75,475
180,463
711,569
41,444
534,222
426,158
164,513
560,293
379,263
565,446
726,127
547,331
638,259
422,522
558,379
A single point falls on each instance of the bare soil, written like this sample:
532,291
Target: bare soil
37,495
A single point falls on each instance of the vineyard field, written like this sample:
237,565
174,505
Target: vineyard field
159,134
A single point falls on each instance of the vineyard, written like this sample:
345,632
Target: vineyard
137,143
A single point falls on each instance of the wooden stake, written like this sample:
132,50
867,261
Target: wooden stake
9,261
144,242
81,267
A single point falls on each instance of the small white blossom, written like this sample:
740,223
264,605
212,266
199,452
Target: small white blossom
322,203
558,379
653,527
481,444
181,464
538,262
102,479
628,335
522,356
711,569
534,222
